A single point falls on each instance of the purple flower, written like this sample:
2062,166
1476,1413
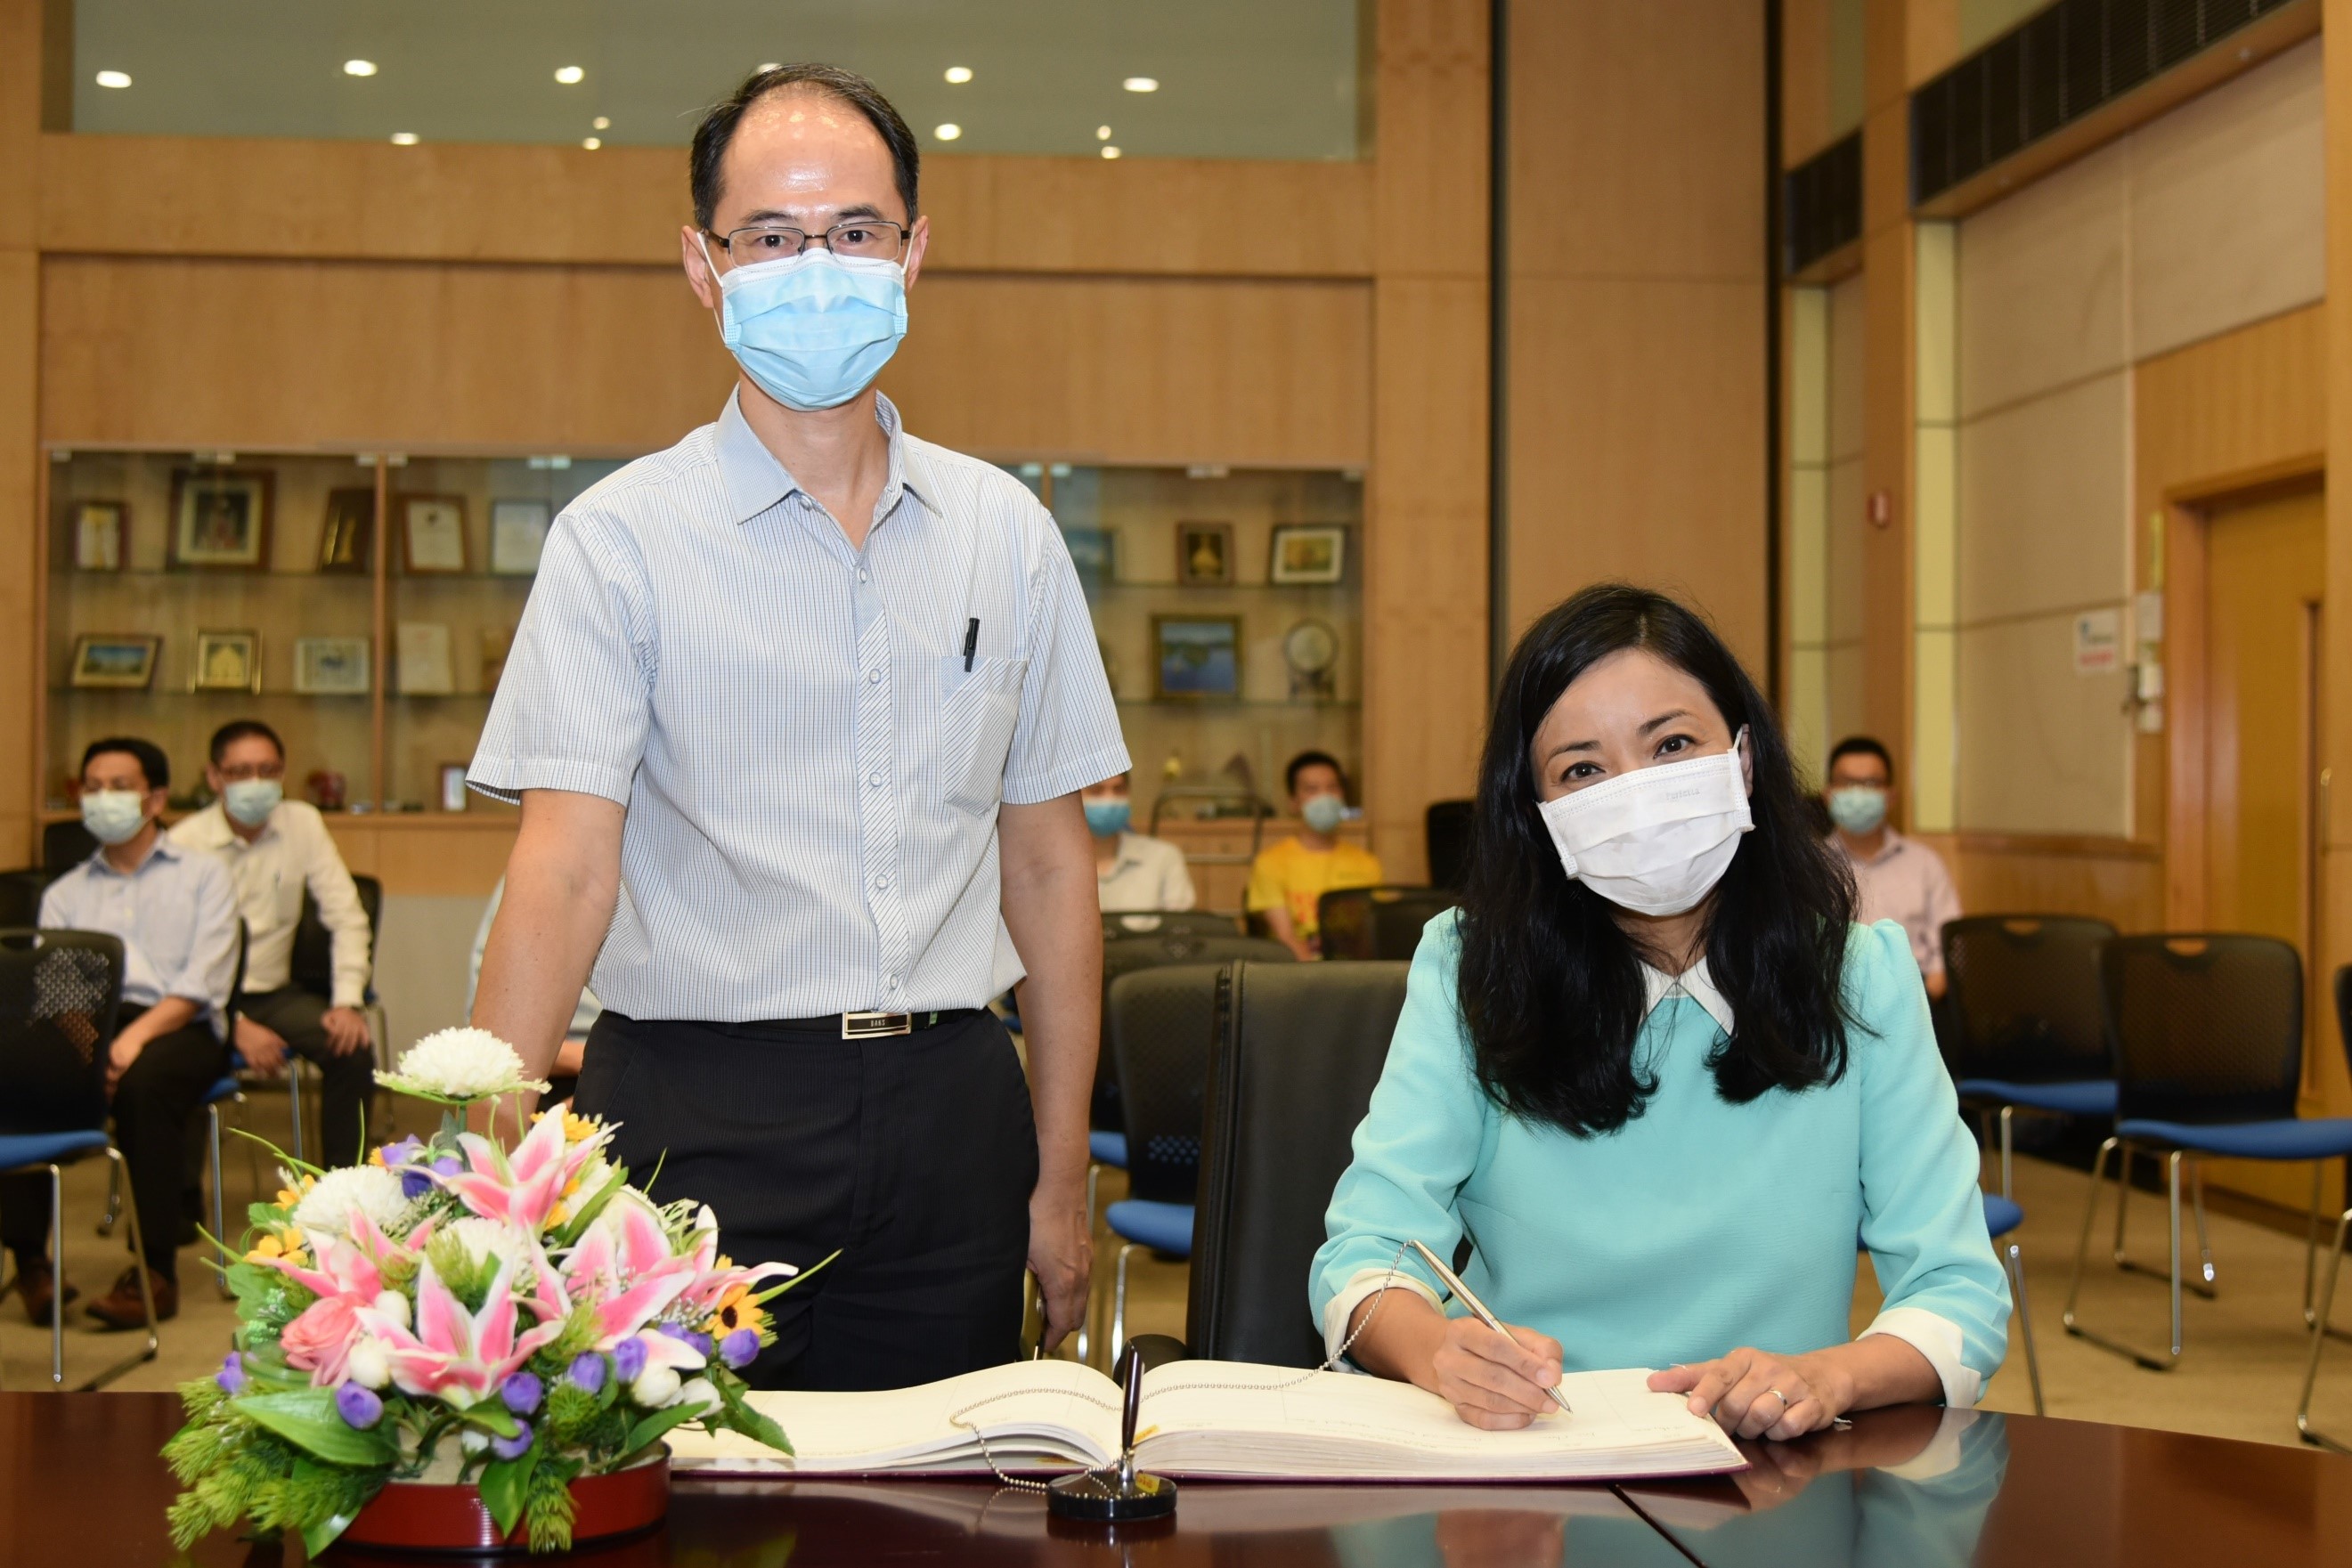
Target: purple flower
587,1372
522,1393
513,1447
415,1184
699,1341
402,1153
231,1376
447,1166
358,1406
738,1349
628,1359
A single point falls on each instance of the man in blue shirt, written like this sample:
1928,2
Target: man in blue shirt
175,911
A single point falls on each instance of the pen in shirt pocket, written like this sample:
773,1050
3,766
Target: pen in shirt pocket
970,642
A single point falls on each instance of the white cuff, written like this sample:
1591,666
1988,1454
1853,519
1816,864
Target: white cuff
1937,1339
1363,1284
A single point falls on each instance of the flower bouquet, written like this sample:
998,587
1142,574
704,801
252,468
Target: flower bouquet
452,1311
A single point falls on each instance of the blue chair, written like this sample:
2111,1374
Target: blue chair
2208,1033
2025,1025
2319,1329
61,992
2002,1216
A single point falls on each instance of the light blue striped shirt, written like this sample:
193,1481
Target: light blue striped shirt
811,776
176,915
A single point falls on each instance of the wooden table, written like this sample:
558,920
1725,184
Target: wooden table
79,1483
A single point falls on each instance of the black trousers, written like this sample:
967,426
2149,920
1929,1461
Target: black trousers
345,1081
912,1155
154,1103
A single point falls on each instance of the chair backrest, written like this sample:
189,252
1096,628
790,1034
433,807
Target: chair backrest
2207,1027
1445,833
1169,922
20,896
1131,953
65,845
1157,1026
1296,1052
2024,999
2344,1009
59,994
1377,923
312,966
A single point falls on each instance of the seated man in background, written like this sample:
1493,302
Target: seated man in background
1288,881
275,849
1133,873
176,913
565,1073
1894,878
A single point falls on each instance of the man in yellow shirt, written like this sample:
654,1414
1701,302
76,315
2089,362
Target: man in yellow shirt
1288,880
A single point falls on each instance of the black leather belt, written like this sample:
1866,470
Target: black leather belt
872,1026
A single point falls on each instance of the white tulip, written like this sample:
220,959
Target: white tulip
655,1387
699,1394
370,1364
473,1440
394,1305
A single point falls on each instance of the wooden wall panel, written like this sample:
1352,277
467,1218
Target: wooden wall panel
2238,404
20,364
2110,879
1804,79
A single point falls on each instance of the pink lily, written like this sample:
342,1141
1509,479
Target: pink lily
453,1351
521,1188
349,1276
712,1282
623,1268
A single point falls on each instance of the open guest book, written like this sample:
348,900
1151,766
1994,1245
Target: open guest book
1217,1419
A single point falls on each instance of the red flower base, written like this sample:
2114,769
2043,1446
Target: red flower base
416,1516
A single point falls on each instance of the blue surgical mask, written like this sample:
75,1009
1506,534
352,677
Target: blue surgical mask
113,816
1324,813
812,330
250,800
1108,819
1858,807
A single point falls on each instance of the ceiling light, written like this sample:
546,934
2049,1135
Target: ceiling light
590,142
359,68
1110,152
114,78
571,75
403,139
947,132
1102,132
959,75
1141,84
600,123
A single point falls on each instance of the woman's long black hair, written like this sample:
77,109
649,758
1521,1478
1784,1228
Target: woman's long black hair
1550,984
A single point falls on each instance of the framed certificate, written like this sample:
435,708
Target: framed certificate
431,533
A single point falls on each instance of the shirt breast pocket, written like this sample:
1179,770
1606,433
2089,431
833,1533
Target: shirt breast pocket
977,713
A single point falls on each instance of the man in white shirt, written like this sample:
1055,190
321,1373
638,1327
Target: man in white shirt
1133,873
1894,878
277,849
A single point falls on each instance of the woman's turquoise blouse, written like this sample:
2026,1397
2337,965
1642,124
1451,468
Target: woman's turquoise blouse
1700,1225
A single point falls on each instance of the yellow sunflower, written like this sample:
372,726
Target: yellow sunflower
736,1310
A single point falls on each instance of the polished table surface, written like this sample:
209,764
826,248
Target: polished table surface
80,1483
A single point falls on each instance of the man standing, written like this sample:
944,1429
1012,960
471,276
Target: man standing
1894,877
796,709
276,849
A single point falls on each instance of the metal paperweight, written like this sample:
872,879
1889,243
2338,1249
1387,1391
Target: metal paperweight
1119,1493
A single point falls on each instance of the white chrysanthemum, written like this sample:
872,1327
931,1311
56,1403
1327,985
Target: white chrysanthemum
459,1064
326,1208
485,1240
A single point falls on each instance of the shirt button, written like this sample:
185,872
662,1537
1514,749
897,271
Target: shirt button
861,574
873,677
875,779
882,880
890,982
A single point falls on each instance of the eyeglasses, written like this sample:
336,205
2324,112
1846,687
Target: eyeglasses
875,237
246,772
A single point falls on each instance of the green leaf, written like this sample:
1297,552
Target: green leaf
781,1286
493,1417
316,1538
577,1225
651,1429
737,1413
307,1418
504,1486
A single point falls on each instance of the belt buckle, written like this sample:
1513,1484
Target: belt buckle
869,1026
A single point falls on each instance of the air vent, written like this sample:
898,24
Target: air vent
2056,67
1823,198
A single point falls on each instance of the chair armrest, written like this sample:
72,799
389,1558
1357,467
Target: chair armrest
1160,1349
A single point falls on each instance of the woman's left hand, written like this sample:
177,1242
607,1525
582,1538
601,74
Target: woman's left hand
1757,1394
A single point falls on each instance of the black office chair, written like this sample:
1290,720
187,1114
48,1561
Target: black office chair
2026,1024
1296,1052
61,992
1372,924
312,968
65,845
1130,954
20,896
1169,922
1446,835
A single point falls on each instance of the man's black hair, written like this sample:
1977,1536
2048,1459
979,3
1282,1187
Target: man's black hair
1864,745
1305,759
152,763
238,729
717,131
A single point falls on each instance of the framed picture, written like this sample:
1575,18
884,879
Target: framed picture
103,660
1196,657
101,528
1308,552
348,533
227,662
453,787
330,666
518,533
425,668
431,533
1091,553
220,519
1205,554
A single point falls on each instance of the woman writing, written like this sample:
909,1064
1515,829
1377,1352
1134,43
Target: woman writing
1657,1077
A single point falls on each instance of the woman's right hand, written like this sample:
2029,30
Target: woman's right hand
1491,1381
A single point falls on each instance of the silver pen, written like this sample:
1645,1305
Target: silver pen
1478,1310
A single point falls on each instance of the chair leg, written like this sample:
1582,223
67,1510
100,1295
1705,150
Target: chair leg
2016,1263
2090,1217
2203,1285
294,1106
146,1287
2311,1250
220,1209
1119,1303
106,1221
1086,1319
2303,1426
57,1277
2204,1243
2008,1188
2082,1253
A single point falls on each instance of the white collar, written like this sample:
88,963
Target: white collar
1693,983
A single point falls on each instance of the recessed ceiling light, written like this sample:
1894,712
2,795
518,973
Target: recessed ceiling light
114,78
947,132
959,75
1102,132
600,123
1141,84
359,68
590,142
403,139
571,75
1110,152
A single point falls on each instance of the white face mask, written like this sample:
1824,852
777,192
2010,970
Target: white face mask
1657,839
